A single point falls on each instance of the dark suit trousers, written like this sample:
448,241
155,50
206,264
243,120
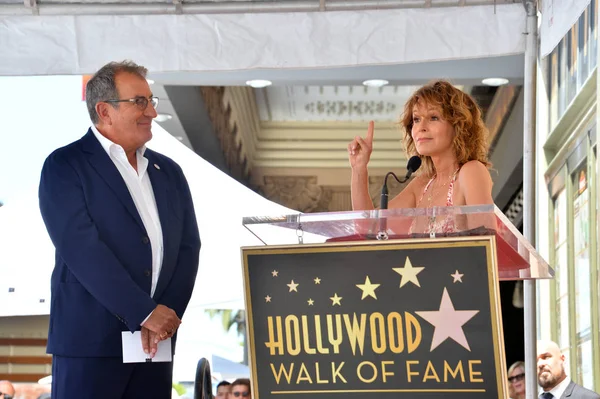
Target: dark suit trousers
109,377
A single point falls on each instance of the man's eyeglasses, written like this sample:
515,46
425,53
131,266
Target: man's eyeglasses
518,377
140,102
238,394
5,396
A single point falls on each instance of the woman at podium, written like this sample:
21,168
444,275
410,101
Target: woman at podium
443,127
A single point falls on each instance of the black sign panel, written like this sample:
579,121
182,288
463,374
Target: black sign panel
372,320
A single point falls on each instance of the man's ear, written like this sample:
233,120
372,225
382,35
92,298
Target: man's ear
103,111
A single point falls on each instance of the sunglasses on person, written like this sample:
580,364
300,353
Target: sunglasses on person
5,396
238,394
518,377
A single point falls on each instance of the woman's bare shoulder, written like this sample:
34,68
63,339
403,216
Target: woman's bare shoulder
474,170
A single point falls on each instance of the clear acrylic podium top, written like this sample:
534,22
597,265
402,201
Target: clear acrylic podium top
517,259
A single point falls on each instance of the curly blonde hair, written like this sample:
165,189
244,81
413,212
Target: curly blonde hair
461,111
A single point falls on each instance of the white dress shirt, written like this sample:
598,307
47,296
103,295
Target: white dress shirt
139,186
558,390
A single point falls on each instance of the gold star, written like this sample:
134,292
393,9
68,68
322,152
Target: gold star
457,277
267,299
368,289
275,273
336,300
293,286
317,280
310,302
408,273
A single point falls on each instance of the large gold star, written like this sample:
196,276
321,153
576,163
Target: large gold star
337,300
293,286
368,289
408,273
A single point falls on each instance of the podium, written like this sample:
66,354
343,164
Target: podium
382,303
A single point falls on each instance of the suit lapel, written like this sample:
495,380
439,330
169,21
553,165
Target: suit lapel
107,170
569,390
160,185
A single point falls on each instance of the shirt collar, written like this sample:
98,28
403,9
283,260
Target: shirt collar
107,144
558,390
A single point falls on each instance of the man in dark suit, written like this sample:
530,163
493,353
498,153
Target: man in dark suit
552,377
127,245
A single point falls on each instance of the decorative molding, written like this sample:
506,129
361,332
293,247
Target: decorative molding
244,118
514,211
227,133
304,194
499,111
301,193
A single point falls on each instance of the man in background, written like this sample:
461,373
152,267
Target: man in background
240,389
552,377
7,390
224,390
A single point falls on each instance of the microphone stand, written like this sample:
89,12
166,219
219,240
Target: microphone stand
382,234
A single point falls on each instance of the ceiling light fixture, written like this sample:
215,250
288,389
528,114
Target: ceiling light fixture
494,81
375,82
163,117
258,83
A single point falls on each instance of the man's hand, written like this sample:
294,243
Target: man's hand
163,322
149,342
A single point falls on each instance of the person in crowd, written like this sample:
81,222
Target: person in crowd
224,390
552,377
516,380
122,220
7,390
240,389
443,126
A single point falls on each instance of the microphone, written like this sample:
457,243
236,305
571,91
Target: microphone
414,163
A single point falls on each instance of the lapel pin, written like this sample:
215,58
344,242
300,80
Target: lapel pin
156,166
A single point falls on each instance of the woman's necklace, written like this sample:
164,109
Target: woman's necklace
435,189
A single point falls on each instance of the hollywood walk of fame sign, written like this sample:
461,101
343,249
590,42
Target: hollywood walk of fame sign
412,318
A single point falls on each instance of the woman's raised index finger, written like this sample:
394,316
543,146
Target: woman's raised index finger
370,132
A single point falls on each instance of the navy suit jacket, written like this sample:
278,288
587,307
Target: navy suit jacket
103,273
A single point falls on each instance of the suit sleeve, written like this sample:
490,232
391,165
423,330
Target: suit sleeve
179,291
75,236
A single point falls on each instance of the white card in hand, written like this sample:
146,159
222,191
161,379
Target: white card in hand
133,351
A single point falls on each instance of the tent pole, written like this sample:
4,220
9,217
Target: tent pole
529,187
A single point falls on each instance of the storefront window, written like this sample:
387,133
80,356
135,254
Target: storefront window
562,268
583,298
572,62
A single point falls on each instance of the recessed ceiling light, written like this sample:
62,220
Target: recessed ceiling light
375,82
163,117
258,83
494,81
150,81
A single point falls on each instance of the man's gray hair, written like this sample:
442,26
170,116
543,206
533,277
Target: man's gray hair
102,87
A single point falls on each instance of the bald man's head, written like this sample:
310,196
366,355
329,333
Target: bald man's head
550,365
7,389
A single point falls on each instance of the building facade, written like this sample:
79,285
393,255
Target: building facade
567,197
